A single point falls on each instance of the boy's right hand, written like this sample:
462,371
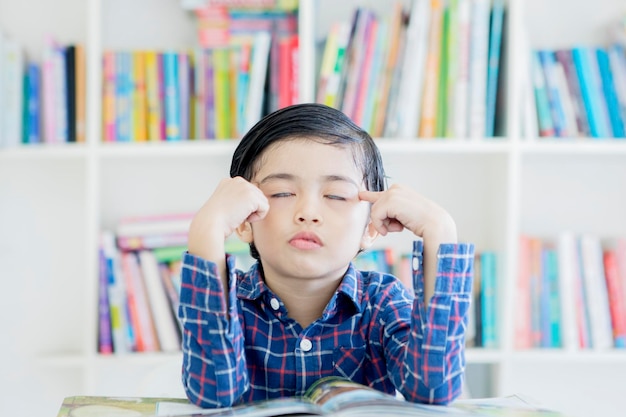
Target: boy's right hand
234,201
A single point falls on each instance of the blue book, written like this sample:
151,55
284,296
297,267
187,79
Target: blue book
610,95
544,118
489,298
493,64
172,96
591,88
123,92
547,60
33,104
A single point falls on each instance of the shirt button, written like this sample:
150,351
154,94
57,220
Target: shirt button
416,264
274,303
306,345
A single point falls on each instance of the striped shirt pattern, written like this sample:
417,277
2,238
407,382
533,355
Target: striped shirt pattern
373,331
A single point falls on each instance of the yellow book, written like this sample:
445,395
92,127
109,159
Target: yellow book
428,120
139,104
108,104
153,98
222,87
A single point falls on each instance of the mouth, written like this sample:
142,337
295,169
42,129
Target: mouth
306,241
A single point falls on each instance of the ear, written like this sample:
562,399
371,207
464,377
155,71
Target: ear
369,236
244,231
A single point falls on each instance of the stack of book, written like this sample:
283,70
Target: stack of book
431,71
571,292
41,101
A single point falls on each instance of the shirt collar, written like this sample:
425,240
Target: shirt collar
251,287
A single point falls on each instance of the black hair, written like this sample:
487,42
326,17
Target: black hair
309,121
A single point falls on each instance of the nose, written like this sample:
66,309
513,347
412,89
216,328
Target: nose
308,210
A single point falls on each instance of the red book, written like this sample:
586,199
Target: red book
617,304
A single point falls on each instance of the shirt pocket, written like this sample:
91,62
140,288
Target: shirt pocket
349,362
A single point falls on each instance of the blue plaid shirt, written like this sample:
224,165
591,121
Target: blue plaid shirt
373,331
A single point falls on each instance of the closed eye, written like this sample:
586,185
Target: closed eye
335,197
282,195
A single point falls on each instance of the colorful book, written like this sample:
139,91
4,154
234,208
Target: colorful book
574,333
564,56
172,102
588,72
153,96
617,303
542,104
479,56
139,104
139,304
596,295
428,117
121,331
555,100
617,61
391,61
33,104
80,92
164,321
258,74
123,96
523,304
70,90
489,299
493,64
610,94
459,87
405,115
105,340
109,133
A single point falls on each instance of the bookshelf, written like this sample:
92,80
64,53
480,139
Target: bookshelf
55,199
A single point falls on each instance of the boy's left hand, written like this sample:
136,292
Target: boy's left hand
400,208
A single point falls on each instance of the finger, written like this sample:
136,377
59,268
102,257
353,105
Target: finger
369,196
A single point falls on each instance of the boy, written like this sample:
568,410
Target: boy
307,192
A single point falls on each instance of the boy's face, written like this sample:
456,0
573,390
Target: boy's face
316,222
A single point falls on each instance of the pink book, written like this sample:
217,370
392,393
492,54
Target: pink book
48,90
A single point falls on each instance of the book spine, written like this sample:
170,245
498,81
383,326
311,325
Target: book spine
222,89
617,304
596,292
493,66
166,328
570,290
69,73
428,116
555,100
138,97
478,68
105,341
523,306
81,93
121,331
591,90
610,95
489,300
259,66
564,56
546,126
172,96
184,89
33,106
209,93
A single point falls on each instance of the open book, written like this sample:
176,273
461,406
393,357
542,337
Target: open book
336,397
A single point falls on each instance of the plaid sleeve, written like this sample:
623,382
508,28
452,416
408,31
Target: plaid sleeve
435,357
214,374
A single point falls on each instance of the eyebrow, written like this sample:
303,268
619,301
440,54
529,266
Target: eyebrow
291,177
